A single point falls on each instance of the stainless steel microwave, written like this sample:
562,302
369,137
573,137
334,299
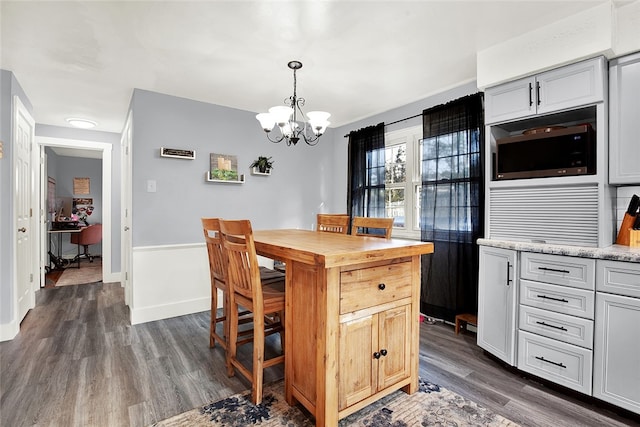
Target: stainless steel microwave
547,152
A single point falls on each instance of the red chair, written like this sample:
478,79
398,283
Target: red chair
90,235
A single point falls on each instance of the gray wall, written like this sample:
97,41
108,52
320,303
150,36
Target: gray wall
9,86
301,183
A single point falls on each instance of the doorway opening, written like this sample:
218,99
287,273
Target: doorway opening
80,149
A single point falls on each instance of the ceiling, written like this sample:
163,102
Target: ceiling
84,58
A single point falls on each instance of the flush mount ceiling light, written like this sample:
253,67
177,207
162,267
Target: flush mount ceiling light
309,128
81,123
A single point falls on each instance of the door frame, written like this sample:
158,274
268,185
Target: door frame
106,150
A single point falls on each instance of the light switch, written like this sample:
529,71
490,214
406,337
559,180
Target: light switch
151,186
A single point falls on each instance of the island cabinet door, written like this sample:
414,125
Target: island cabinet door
374,354
394,346
358,368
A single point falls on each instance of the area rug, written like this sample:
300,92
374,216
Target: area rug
89,272
430,406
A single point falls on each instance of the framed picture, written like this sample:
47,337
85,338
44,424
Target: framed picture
224,167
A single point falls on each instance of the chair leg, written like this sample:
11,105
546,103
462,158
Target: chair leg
214,316
232,338
258,359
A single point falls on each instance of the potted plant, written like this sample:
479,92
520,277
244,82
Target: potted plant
262,164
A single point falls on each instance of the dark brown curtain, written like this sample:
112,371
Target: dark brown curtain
452,206
366,172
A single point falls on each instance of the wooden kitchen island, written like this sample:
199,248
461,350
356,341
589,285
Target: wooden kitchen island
352,318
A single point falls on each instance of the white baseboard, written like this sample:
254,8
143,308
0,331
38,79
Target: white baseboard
165,311
8,331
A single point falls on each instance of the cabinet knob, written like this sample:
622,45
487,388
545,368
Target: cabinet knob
376,355
383,352
381,286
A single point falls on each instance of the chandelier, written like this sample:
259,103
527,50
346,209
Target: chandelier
309,128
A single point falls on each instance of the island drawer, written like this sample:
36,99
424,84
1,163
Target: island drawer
559,270
562,363
561,299
363,288
570,329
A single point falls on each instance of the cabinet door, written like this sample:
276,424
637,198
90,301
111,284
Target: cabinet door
509,101
624,116
616,370
394,347
572,86
358,367
497,302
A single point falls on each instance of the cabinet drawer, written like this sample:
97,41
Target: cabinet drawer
622,278
570,329
369,287
562,363
561,299
559,270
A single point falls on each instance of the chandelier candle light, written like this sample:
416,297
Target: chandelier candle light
286,117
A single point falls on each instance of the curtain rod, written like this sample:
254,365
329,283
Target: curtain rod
397,121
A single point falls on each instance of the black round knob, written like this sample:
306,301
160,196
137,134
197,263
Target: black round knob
383,352
376,355
381,286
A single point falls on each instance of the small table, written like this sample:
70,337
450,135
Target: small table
463,319
59,233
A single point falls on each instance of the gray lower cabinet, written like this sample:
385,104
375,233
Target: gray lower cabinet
616,371
497,300
570,320
624,116
555,338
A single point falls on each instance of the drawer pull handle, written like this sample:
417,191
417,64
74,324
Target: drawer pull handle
381,286
553,299
549,361
562,328
555,270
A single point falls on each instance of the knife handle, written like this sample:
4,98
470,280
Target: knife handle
633,205
636,224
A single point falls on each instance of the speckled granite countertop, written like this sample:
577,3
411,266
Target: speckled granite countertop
614,252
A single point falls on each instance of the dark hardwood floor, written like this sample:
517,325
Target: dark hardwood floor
77,362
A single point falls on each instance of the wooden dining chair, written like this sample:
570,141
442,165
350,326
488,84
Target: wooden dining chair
333,223
265,301
211,229
374,227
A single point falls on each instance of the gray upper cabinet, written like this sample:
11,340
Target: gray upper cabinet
624,117
567,87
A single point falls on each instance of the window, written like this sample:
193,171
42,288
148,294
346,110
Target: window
403,180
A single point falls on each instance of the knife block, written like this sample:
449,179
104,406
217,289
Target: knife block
624,233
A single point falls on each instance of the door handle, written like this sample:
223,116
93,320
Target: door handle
509,280
22,230
126,228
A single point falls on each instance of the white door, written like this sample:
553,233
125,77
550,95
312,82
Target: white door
125,193
23,137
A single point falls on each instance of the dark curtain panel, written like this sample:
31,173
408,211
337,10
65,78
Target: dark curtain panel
366,172
452,206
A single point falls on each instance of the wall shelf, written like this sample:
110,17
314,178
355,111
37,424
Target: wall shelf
207,178
256,171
